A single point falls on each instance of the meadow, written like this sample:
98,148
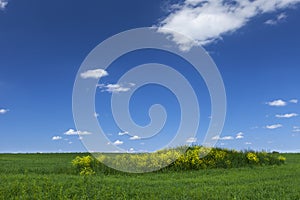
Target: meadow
52,176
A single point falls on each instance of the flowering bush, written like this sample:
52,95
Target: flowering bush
84,165
252,158
195,158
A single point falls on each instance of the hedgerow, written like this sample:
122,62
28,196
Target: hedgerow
194,158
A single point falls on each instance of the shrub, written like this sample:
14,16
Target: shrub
194,158
252,158
84,165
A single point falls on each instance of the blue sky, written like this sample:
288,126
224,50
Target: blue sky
255,45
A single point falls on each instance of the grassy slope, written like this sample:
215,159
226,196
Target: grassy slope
51,176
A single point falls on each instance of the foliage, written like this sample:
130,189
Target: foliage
202,158
84,165
194,158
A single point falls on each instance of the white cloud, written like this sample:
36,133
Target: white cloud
96,115
123,133
116,88
191,140
294,101
279,18
274,126
240,135
277,103
73,132
287,115
3,111
56,138
131,150
207,21
248,143
118,142
223,138
96,73
3,4
135,137
227,138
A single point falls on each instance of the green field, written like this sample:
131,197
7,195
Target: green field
51,176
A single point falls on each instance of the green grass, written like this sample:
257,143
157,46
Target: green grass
51,176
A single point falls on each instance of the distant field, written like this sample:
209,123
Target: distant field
51,176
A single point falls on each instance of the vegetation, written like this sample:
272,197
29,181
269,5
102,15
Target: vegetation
52,176
194,158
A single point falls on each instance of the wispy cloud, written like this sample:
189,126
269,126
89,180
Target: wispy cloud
96,73
3,4
223,138
191,140
240,135
296,129
135,137
73,132
3,111
294,101
118,142
277,103
207,21
116,88
56,138
290,115
123,133
279,18
274,126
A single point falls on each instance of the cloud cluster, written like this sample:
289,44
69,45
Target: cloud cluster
73,132
112,88
207,21
279,18
296,129
135,137
116,88
240,135
281,103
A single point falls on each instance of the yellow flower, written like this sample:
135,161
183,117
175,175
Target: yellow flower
252,157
